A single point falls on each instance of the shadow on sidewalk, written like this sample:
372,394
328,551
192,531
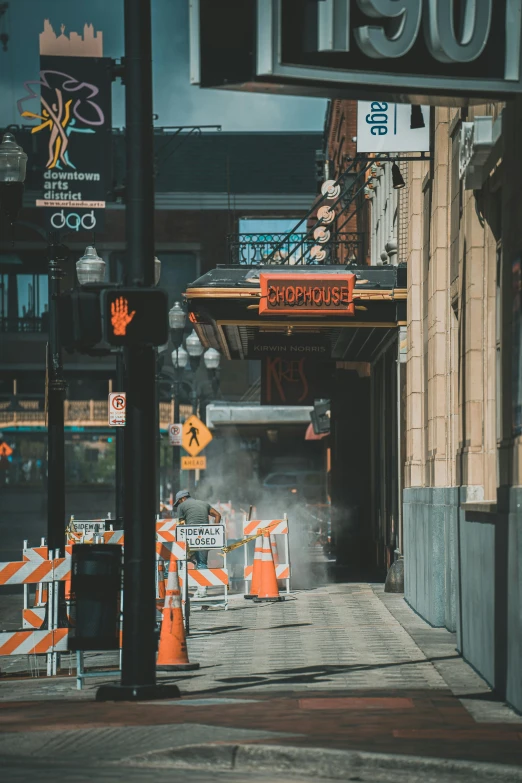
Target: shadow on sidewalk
308,674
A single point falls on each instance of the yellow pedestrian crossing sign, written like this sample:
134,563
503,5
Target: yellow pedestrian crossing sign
195,436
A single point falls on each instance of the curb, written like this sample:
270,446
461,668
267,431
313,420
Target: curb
315,762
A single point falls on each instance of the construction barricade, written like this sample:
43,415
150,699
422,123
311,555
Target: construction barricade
278,530
37,567
194,538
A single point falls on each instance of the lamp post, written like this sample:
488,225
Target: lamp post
157,429
90,268
179,362
195,351
13,161
138,677
212,359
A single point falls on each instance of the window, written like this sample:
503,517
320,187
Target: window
259,238
23,300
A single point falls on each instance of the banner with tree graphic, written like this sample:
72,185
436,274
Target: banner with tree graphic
69,106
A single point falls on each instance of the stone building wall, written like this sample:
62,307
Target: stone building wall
462,527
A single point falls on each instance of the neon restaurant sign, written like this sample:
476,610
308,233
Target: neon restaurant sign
440,51
306,294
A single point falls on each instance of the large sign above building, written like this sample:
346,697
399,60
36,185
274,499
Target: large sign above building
435,50
306,294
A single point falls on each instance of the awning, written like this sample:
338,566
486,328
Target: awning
224,308
226,414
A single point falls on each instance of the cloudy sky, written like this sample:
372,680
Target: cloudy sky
176,102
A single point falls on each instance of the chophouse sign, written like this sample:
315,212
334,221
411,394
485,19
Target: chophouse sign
428,48
286,294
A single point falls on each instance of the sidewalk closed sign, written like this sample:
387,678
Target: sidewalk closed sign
201,536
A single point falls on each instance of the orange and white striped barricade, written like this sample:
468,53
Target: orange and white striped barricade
202,577
33,616
206,537
276,527
34,642
113,537
35,569
165,529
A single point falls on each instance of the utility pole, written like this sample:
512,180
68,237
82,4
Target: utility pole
158,361
55,393
138,680
120,443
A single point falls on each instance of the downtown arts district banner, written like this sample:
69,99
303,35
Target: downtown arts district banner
69,107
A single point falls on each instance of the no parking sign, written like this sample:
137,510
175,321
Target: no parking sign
117,409
175,434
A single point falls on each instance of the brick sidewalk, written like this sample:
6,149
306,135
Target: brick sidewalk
343,666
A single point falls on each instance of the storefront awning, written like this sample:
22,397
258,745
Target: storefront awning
224,306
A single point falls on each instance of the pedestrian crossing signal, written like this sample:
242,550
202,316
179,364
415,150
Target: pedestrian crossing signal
135,316
120,316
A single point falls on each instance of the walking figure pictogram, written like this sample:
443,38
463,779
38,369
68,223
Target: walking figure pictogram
195,436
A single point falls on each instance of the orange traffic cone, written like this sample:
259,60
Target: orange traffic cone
268,589
256,569
172,654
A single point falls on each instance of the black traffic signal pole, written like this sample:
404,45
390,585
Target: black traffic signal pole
55,394
120,443
157,431
138,679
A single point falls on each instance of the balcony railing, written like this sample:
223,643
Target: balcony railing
294,249
25,325
322,235
78,413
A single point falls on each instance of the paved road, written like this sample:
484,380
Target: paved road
22,770
340,667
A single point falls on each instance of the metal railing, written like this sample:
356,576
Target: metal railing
295,249
25,325
77,413
321,236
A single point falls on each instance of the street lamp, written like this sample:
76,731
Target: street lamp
90,268
13,162
177,319
179,358
195,350
212,359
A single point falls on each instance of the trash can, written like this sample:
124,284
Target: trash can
95,589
